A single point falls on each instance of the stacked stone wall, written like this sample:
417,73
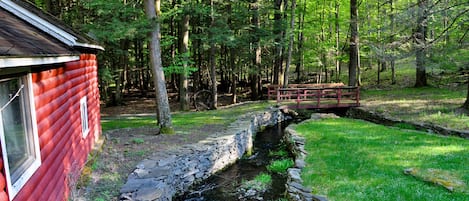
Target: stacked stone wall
172,172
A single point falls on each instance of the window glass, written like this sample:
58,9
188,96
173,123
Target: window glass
84,117
16,128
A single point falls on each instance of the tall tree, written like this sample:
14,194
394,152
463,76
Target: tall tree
337,39
465,106
353,52
255,73
420,40
391,39
163,113
279,32
212,59
290,45
183,50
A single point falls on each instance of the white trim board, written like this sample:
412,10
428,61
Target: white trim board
32,61
44,25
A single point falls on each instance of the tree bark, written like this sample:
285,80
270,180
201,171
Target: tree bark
278,31
393,63
234,76
337,40
213,72
290,45
163,113
354,57
183,49
420,41
257,59
465,106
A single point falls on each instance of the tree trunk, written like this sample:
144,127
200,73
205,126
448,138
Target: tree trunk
421,43
337,41
163,113
212,61
465,106
255,73
393,63
278,32
290,45
300,60
183,49
354,57
234,76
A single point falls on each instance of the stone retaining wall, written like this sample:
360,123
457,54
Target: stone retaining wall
361,113
295,189
168,173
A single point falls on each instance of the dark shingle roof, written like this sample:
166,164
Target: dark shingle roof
18,38
81,38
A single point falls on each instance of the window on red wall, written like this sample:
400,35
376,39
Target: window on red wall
19,139
84,117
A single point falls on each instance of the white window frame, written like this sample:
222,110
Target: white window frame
14,188
85,129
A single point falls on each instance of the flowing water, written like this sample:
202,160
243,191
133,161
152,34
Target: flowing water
223,186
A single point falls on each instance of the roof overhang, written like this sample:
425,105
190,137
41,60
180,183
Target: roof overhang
9,62
45,26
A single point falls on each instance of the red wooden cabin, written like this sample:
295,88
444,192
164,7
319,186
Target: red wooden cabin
49,104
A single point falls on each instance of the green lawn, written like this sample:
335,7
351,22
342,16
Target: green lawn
356,160
428,105
187,121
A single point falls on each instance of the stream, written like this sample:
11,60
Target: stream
224,185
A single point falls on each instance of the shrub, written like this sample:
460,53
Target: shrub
280,166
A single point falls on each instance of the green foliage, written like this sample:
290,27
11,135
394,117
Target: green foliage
112,21
357,160
279,153
260,183
405,126
167,130
280,166
181,64
138,140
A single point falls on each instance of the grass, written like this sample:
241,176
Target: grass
260,183
280,153
357,160
138,140
127,122
184,122
280,166
429,105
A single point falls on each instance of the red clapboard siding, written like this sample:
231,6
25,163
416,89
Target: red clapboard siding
63,150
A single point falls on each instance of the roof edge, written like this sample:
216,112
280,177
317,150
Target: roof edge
56,32
33,61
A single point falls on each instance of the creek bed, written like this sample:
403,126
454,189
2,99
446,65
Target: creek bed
225,184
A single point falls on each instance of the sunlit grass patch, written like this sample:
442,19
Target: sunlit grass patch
356,160
425,105
130,122
184,121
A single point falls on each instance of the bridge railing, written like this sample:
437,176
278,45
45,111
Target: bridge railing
320,97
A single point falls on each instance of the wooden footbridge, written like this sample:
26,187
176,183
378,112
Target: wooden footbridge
315,96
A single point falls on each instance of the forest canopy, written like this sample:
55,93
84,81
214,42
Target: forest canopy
240,46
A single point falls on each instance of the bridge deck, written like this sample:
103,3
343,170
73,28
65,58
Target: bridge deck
320,97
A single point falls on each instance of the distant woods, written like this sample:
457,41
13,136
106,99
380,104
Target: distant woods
238,47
